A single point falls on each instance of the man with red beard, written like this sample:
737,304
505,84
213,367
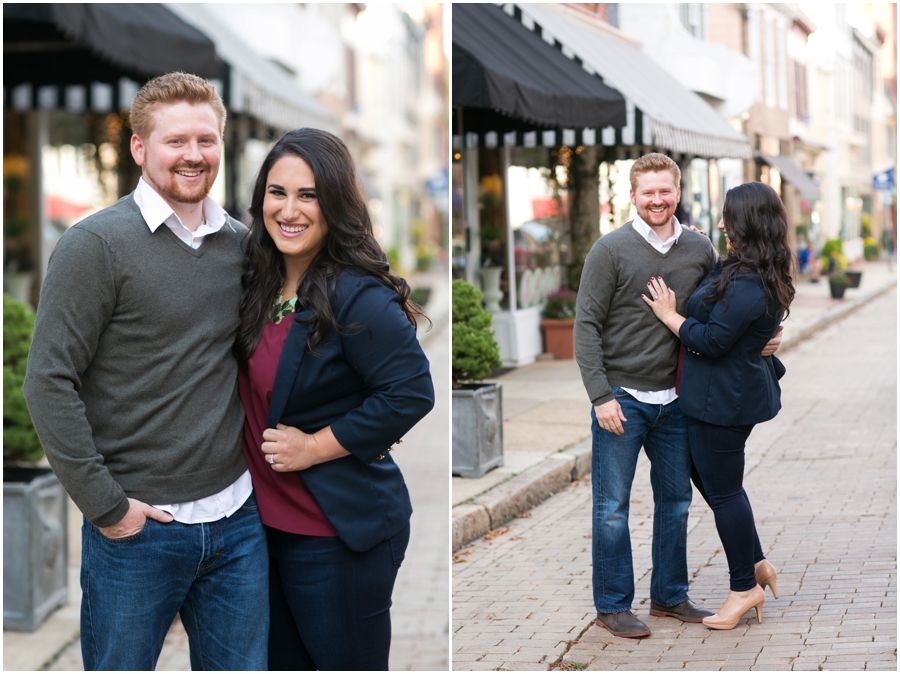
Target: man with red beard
628,366
132,386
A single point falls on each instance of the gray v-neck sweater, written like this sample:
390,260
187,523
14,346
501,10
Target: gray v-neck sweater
618,339
131,381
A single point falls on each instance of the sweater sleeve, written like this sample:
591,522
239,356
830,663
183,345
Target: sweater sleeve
384,350
743,302
78,297
598,283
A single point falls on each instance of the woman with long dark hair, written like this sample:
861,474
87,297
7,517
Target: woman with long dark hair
726,385
332,378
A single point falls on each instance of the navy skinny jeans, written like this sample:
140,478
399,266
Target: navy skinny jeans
717,453
330,606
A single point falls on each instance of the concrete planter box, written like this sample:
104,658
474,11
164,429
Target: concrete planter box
477,429
35,547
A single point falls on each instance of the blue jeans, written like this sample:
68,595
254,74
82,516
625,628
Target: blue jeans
330,605
662,431
215,575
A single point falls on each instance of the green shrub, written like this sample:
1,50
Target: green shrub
833,245
20,442
871,251
833,249
475,351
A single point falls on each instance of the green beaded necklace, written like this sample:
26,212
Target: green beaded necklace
281,309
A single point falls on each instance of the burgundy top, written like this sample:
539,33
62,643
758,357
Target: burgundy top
284,501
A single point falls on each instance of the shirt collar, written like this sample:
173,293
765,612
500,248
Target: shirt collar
646,231
156,211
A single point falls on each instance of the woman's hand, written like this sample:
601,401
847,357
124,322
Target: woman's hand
288,449
663,303
773,344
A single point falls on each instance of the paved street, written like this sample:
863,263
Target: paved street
822,480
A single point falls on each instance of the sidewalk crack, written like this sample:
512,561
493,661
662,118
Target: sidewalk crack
571,642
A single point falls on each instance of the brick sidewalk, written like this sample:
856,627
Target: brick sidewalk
822,479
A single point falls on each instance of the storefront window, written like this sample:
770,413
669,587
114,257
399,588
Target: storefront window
615,194
698,206
459,230
59,167
19,230
492,262
852,213
538,212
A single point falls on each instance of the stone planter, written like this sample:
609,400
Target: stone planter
558,337
35,547
477,429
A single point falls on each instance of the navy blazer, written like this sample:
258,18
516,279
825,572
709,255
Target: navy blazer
371,383
725,380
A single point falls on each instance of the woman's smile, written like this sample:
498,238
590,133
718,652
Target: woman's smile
292,230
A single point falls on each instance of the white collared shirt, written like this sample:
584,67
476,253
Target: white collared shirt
156,212
651,237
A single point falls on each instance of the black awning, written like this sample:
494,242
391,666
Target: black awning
793,174
58,43
500,65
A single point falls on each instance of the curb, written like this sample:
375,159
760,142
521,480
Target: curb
501,503
505,501
813,325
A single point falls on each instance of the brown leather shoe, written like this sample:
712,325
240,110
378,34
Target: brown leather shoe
624,624
686,612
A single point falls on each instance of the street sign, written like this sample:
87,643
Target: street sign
883,180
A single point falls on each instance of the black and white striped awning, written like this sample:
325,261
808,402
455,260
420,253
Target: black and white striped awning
636,132
661,114
99,97
87,56
507,78
94,58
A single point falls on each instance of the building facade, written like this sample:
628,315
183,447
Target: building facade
530,198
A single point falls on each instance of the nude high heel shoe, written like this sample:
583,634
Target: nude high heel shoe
728,621
765,576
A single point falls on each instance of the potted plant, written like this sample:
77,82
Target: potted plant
838,284
35,540
559,323
833,256
871,250
477,407
853,278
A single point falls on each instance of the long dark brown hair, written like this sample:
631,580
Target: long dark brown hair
349,243
756,223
